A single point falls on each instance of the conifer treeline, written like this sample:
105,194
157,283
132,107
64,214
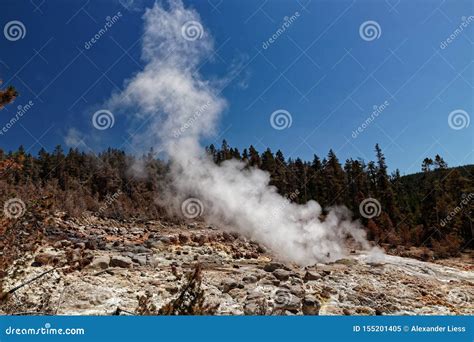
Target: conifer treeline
432,208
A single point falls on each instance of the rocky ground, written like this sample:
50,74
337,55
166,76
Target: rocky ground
118,267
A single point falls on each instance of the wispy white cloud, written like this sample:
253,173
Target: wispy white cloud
73,138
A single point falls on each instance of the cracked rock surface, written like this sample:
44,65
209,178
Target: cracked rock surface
104,265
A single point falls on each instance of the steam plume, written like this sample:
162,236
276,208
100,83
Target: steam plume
180,108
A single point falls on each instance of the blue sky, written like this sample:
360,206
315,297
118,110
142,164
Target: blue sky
319,69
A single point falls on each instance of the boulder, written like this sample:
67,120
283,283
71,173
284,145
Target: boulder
255,303
281,274
120,261
46,258
139,259
310,305
100,263
259,307
250,279
272,266
297,290
285,300
152,243
311,276
228,285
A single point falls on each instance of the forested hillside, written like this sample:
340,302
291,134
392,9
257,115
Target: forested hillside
431,208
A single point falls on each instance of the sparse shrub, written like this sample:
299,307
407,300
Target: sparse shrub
190,300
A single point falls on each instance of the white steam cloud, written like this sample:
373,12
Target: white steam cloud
179,108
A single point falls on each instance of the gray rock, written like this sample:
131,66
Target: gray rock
121,261
237,293
165,239
46,258
297,290
272,266
254,295
152,243
141,249
228,285
250,279
100,263
285,300
281,274
61,243
172,289
257,307
309,276
255,303
136,231
310,305
139,259
80,245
